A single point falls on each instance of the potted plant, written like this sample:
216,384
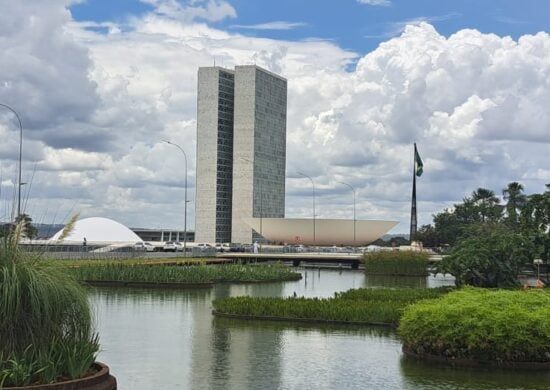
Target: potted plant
46,336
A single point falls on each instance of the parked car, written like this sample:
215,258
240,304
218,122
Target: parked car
300,248
139,247
204,247
222,247
149,247
234,247
172,246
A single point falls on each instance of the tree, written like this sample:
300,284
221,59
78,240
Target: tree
491,256
428,236
29,230
535,222
486,204
515,202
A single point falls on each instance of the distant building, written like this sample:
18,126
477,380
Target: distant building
162,235
241,151
214,154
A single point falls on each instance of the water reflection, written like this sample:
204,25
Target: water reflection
168,339
429,375
393,281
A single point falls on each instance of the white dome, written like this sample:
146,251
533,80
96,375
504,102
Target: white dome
98,230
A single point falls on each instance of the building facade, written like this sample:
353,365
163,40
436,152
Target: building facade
241,151
259,149
214,154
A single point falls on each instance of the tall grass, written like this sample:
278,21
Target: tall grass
185,274
366,305
405,263
44,317
402,295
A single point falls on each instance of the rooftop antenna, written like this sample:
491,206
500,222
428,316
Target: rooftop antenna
214,61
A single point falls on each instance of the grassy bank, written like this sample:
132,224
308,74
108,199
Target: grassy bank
484,325
185,274
405,263
367,306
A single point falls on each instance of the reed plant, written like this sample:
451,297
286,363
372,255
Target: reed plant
481,325
404,263
401,295
366,305
45,320
185,274
312,309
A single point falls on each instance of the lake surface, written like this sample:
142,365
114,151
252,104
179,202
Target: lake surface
165,339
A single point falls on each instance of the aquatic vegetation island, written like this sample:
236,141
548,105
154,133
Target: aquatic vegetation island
194,274
358,306
483,326
403,263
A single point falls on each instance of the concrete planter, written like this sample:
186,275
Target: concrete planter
101,380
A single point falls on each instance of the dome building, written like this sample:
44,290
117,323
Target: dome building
99,230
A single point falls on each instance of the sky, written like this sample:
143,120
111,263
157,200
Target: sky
100,84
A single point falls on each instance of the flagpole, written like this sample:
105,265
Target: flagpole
413,201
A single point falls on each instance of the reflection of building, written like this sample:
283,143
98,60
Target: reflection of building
241,151
235,355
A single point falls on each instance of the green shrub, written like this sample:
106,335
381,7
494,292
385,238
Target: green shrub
492,256
490,325
185,274
396,263
45,319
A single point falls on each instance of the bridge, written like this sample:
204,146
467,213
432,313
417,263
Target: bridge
351,259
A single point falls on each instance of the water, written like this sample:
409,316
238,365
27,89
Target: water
160,339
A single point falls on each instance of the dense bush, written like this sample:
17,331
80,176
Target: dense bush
45,322
396,263
357,305
477,324
492,256
185,274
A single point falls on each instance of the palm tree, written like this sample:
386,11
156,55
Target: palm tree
487,204
516,200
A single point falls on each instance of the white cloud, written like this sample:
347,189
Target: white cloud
475,103
375,2
279,25
210,10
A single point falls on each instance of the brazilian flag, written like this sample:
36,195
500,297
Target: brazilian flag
418,162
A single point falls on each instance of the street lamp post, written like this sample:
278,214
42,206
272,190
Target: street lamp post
313,186
19,184
185,212
538,262
353,189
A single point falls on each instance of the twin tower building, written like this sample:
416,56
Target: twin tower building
241,151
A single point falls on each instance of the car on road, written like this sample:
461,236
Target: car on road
236,247
143,247
172,246
222,247
204,247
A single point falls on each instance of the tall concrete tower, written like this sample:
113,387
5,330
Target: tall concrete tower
259,148
241,151
214,155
